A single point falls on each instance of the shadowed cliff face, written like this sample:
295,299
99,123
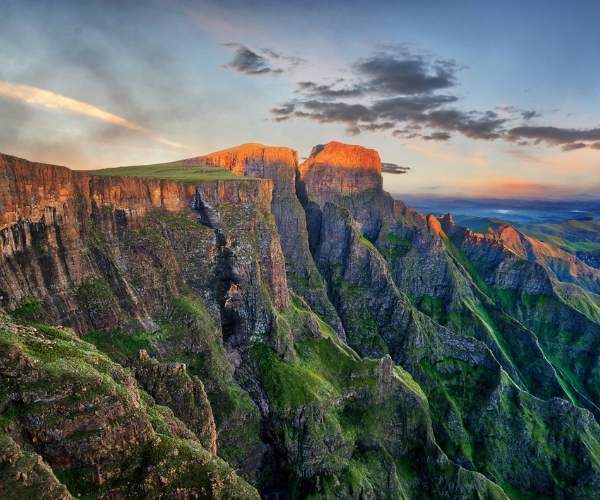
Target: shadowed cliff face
281,165
318,335
429,262
58,224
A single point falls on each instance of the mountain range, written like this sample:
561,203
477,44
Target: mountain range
242,325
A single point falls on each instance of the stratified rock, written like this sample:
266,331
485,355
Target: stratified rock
281,166
86,418
340,168
170,385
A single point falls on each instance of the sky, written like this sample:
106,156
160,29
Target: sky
485,99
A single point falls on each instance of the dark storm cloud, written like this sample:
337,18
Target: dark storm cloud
555,135
248,62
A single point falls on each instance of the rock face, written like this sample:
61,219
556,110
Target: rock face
339,168
58,220
296,325
170,385
561,265
74,410
281,165
257,160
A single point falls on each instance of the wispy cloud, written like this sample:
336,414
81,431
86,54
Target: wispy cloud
250,62
42,98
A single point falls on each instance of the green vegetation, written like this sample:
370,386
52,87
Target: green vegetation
120,345
571,235
366,242
582,300
30,309
393,246
434,307
187,323
170,171
95,296
64,379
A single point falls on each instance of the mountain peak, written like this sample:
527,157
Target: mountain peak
350,156
241,159
341,168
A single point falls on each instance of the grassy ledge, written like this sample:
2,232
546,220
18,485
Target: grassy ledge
172,172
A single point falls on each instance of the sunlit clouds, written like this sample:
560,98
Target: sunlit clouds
41,98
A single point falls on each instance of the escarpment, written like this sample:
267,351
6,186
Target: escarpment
281,165
64,239
290,331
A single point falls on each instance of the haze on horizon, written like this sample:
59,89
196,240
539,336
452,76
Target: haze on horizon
477,99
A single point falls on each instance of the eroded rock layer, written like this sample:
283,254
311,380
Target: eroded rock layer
292,332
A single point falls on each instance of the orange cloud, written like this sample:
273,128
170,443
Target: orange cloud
42,98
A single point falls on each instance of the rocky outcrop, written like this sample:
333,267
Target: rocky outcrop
256,160
340,168
170,385
84,416
560,264
24,474
60,225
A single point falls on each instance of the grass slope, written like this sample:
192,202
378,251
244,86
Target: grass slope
169,171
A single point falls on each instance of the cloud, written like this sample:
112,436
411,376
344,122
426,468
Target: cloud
327,112
248,62
395,90
555,135
572,146
437,136
529,114
388,74
292,61
408,74
283,112
323,91
404,108
42,98
473,124
411,95
393,168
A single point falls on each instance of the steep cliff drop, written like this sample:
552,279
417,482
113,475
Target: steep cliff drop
318,336
281,166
